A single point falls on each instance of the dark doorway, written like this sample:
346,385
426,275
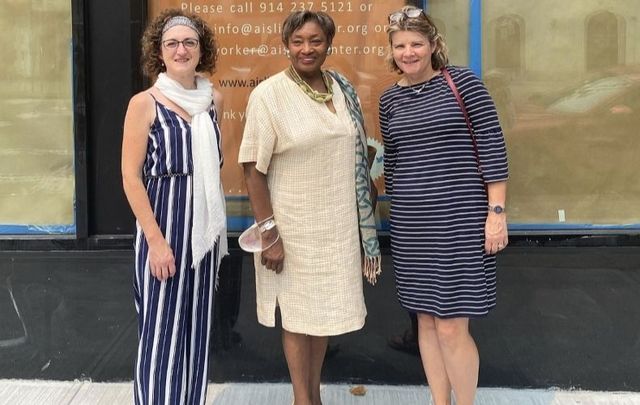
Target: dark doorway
509,43
602,41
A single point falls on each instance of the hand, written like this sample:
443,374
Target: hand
162,263
273,258
495,233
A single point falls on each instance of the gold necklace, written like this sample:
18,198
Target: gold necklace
314,94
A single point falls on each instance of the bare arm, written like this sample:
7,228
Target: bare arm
496,236
272,258
139,117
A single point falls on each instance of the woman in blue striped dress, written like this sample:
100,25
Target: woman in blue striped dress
445,228
171,162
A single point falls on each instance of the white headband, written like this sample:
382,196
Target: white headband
179,20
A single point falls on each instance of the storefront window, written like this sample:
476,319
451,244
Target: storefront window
452,19
566,81
36,120
249,36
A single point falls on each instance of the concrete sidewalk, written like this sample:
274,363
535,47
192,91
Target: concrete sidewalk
35,392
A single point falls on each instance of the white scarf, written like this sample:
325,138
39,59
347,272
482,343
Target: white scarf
209,223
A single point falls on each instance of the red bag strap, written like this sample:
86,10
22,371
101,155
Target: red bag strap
454,89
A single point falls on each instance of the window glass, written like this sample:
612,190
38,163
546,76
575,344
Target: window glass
249,36
566,81
36,118
452,19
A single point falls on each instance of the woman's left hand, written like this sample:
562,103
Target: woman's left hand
495,233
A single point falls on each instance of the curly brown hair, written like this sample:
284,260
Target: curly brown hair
151,42
424,25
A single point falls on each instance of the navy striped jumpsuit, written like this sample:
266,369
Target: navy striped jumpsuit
438,203
174,316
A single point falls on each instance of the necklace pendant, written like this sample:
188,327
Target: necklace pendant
417,92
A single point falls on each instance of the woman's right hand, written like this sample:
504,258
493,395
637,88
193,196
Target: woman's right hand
273,257
162,263
140,116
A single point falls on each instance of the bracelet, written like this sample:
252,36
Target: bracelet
265,220
267,225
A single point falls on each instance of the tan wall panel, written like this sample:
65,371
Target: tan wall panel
251,49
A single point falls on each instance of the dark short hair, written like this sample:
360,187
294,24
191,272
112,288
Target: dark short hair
152,41
297,19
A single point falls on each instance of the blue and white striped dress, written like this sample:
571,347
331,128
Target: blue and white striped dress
174,316
438,202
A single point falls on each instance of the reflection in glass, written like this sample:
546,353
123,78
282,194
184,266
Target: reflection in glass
452,19
568,97
227,304
591,94
509,42
602,41
36,122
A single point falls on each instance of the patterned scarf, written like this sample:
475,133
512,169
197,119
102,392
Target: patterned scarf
366,217
209,224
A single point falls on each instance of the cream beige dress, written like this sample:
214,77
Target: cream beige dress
308,155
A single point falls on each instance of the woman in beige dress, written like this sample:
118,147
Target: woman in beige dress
303,154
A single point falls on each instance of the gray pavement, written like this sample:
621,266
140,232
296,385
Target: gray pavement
37,392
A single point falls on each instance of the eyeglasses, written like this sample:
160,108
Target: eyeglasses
189,43
398,16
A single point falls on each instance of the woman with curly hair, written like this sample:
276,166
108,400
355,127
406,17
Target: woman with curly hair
171,161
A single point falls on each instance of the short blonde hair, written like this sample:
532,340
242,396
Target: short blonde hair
424,25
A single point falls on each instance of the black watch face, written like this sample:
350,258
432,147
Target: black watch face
498,209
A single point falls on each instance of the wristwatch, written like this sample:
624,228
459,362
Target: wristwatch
496,209
267,225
